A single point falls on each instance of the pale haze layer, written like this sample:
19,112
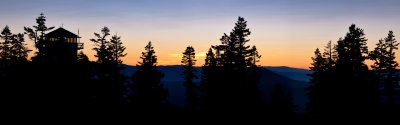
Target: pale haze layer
286,32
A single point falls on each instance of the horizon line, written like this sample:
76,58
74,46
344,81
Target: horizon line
201,66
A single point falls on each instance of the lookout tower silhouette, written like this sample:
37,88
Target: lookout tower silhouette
61,46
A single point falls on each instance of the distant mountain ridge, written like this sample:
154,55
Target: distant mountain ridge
290,78
292,73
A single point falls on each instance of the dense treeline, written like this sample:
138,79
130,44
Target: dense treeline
341,86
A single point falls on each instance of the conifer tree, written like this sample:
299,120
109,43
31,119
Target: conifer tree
148,92
13,48
354,50
329,55
386,66
37,35
189,60
341,81
117,49
232,84
254,57
103,54
109,54
103,68
237,51
210,58
7,36
316,83
5,62
207,77
19,51
356,82
239,72
13,67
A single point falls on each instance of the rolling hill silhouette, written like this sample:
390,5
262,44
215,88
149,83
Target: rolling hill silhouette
290,79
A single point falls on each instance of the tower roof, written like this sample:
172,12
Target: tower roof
61,32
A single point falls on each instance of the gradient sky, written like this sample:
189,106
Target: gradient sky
286,32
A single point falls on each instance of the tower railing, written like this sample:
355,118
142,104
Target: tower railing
80,45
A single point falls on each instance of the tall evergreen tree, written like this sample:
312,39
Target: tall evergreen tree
207,77
241,88
7,36
109,54
237,51
254,57
13,53
232,83
13,68
317,67
37,35
189,60
219,55
210,58
358,90
102,46
108,51
45,75
117,49
19,51
385,66
355,50
329,55
148,92
317,84
341,82
103,68
209,65
5,63
13,48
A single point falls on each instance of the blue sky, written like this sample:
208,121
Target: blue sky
286,32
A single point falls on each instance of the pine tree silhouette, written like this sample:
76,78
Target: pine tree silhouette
148,93
208,77
19,51
341,82
358,91
110,80
320,83
5,46
101,46
13,64
117,49
188,60
37,34
13,48
13,67
385,67
230,77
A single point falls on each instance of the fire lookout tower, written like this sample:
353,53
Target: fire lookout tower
61,46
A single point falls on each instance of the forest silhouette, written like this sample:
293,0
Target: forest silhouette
59,78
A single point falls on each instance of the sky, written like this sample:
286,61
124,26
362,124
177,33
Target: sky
286,32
